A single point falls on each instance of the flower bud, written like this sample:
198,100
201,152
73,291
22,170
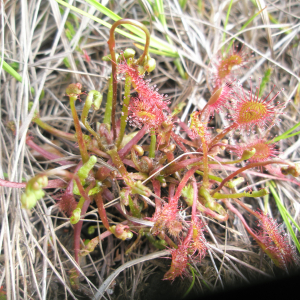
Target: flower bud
121,231
129,52
42,181
150,65
232,184
74,89
28,200
138,149
91,230
108,57
74,219
94,98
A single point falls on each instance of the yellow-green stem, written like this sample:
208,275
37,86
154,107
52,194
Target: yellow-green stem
254,194
124,109
205,163
108,107
120,166
54,131
80,138
84,116
152,144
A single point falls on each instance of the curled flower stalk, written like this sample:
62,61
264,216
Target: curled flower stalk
111,45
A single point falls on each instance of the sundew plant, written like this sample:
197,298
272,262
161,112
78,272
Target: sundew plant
143,153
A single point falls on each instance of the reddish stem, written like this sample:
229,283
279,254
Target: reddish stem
77,231
54,131
222,134
180,165
80,139
249,166
171,190
211,213
194,210
111,45
78,226
236,212
186,129
101,210
52,184
45,153
127,148
182,184
247,208
156,188
178,142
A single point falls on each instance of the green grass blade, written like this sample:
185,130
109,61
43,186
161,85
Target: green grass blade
10,70
161,16
192,284
159,8
139,35
226,21
264,81
290,135
286,134
6,67
104,10
182,4
243,27
161,53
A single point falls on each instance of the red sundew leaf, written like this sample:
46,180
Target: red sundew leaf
249,111
219,99
179,262
149,108
224,67
275,242
145,113
264,151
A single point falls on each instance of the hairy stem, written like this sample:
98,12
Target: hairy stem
182,184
